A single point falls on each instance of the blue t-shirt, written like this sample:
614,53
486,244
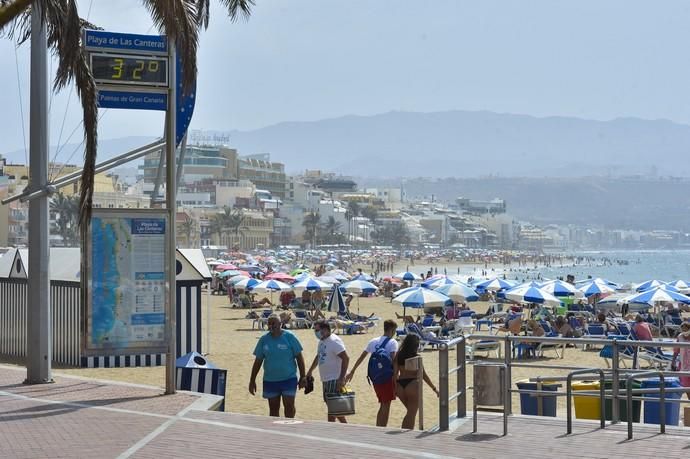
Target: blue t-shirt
278,355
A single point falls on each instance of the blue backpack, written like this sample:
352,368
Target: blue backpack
380,364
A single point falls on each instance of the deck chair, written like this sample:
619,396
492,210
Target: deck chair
653,355
464,325
262,320
301,320
483,346
426,338
549,333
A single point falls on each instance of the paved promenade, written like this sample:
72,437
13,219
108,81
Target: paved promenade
93,419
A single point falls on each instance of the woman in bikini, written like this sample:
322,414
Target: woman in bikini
406,387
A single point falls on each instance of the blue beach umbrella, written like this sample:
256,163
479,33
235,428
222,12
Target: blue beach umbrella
364,277
596,287
679,284
336,302
494,284
246,284
359,287
407,276
271,286
458,292
438,282
657,295
560,288
420,297
530,294
649,284
311,284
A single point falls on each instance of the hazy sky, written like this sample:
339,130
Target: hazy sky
312,59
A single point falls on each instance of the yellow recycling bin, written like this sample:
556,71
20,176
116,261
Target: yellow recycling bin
586,407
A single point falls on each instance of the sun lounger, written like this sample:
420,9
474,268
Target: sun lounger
262,320
300,320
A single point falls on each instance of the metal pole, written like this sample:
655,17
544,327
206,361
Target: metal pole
508,355
420,384
662,403
180,165
208,318
171,206
461,382
443,409
615,382
38,326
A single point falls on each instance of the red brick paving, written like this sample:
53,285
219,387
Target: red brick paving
93,419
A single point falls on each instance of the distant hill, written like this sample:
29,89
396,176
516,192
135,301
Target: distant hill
471,144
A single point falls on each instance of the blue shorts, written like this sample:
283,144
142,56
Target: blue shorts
286,388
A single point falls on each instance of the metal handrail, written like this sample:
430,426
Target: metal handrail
460,394
615,373
569,393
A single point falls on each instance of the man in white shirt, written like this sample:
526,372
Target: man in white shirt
332,359
385,391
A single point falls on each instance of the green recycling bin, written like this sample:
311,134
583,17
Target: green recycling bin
622,404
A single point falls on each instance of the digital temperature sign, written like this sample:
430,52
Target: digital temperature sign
130,69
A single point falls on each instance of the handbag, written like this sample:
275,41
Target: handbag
341,404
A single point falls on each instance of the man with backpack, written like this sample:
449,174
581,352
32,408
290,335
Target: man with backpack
380,372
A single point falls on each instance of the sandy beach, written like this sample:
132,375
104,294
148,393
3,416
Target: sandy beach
233,340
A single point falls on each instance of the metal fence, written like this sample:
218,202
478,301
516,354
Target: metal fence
615,374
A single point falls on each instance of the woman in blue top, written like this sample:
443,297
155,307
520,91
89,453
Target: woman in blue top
280,353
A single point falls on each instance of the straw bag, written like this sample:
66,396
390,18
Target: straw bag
341,404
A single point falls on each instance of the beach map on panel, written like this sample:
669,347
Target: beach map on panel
127,281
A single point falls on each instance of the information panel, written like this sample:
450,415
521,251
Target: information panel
126,274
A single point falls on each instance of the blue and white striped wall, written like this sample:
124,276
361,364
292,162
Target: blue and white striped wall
67,325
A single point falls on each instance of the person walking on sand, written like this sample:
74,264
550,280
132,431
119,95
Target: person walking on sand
280,353
407,388
380,373
332,360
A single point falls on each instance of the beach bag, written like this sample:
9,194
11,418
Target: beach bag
342,403
380,364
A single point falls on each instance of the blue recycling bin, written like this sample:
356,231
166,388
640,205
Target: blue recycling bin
651,408
529,402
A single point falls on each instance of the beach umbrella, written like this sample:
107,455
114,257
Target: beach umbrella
238,277
679,284
561,288
230,273
334,272
364,277
328,279
458,292
337,276
420,297
302,276
246,284
657,295
298,271
599,280
283,277
271,286
225,267
336,302
438,282
494,284
311,284
214,263
359,287
530,294
596,287
648,284
666,287
407,276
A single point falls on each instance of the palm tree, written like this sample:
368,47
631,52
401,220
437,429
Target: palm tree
353,212
330,231
188,227
234,219
216,226
66,209
311,225
180,20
